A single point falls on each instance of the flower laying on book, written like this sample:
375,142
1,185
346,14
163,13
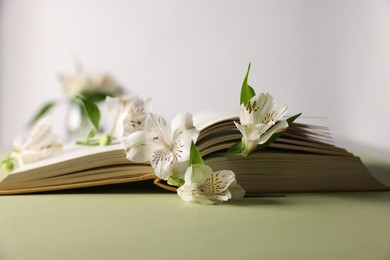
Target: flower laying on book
166,147
42,143
169,148
128,114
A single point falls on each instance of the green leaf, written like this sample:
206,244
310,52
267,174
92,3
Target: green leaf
175,181
91,134
41,112
290,120
195,157
236,149
247,92
92,112
94,96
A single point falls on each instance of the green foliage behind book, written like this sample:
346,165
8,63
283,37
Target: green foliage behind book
301,160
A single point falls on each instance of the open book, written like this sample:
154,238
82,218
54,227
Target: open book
302,159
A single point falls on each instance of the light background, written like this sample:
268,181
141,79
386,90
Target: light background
322,58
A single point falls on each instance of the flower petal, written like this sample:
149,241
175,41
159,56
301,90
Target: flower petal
236,190
186,192
216,185
182,143
115,107
197,173
182,121
128,113
279,127
162,162
40,134
137,148
184,133
245,117
179,169
204,200
158,131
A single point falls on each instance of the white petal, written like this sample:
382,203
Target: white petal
17,143
279,127
236,190
179,168
118,127
263,104
139,153
38,134
134,139
223,196
184,133
186,192
240,127
128,114
256,131
28,156
216,185
138,150
162,162
182,143
197,173
114,109
132,124
182,121
204,200
281,113
147,104
158,130
245,117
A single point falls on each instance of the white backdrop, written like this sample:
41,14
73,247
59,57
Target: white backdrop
322,58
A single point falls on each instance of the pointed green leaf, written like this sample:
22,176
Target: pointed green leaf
247,92
92,112
236,148
290,120
195,157
42,111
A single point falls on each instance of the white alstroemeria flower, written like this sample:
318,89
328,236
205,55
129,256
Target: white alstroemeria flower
208,187
80,83
76,84
259,120
128,114
167,147
106,84
41,143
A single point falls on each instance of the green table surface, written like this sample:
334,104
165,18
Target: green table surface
138,221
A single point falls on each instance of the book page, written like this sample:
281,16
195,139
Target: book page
69,152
